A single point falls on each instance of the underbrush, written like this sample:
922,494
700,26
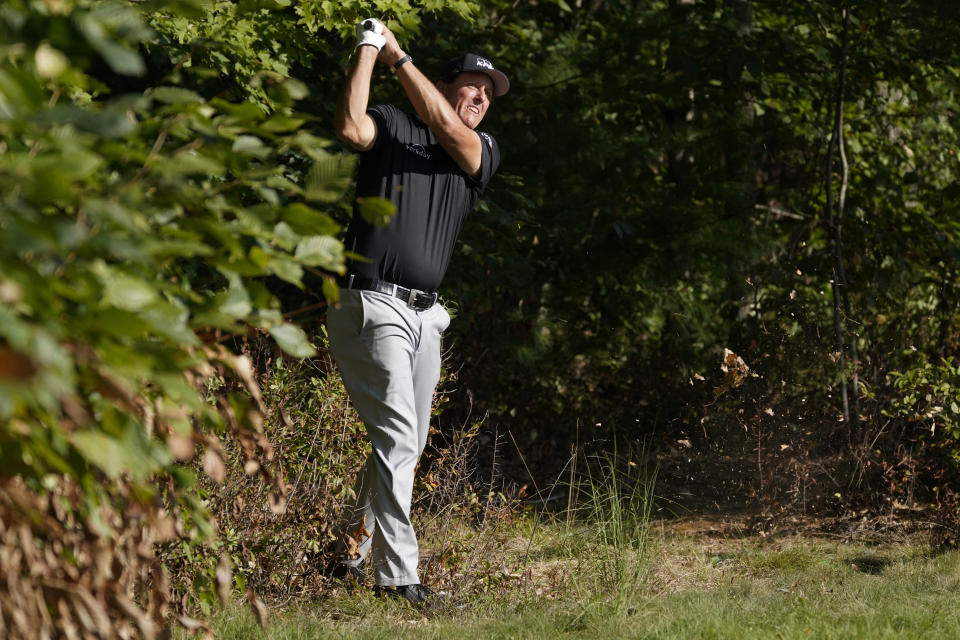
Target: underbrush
277,550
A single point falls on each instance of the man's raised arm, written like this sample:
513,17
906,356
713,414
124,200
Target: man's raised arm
351,124
460,141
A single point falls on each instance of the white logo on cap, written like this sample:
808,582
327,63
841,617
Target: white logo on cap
483,63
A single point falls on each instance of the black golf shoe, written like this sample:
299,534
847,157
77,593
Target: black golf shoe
418,595
352,576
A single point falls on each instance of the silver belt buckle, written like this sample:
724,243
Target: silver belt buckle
412,298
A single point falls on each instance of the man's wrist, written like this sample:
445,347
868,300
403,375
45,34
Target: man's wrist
370,50
394,57
400,62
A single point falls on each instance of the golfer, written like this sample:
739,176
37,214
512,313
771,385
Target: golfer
385,333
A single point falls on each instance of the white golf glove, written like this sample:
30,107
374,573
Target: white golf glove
370,31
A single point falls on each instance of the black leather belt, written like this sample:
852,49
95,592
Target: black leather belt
414,298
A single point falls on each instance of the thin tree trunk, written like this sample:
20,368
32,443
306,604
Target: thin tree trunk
849,323
834,223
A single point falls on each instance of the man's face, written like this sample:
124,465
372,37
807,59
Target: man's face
470,95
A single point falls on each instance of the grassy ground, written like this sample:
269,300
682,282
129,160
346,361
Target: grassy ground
552,580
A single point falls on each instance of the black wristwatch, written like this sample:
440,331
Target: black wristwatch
402,61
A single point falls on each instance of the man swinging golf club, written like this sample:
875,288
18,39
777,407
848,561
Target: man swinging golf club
385,333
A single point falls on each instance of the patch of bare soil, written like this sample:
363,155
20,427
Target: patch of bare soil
850,528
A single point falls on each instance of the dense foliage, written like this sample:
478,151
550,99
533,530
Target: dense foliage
665,197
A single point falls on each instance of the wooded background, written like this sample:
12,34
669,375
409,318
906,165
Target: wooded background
724,235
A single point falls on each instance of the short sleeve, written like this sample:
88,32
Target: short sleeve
385,117
489,159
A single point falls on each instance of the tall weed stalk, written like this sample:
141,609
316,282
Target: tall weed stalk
617,504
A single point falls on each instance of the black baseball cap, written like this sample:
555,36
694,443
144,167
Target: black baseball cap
473,62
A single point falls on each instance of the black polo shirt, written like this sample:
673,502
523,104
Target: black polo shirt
432,194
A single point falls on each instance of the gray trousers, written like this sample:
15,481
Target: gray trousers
389,358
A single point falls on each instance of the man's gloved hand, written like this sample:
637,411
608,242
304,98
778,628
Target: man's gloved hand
370,31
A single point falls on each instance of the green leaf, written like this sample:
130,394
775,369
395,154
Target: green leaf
331,291
258,256
293,340
286,269
108,123
175,95
170,321
125,291
307,221
20,93
121,59
285,237
129,453
189,162
321,251
286,91
115,322
376,210
245,112
74,162
313,146
185,247
194,9
329,177
237,301
281,123
254,6
250,146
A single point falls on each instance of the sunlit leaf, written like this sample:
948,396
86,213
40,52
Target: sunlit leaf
293,340
329,177
287,270
320,251
125,291
237,301
251,146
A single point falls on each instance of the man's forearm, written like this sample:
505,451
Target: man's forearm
434,109
351,123
428,102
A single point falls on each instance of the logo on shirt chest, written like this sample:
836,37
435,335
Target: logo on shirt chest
417,149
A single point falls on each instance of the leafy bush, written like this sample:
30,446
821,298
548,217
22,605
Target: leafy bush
138,233
925,416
